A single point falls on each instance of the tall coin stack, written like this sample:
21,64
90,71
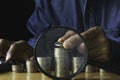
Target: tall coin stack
61,60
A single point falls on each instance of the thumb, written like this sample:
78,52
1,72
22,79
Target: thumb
10,53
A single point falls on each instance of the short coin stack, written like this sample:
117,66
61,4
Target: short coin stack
17,66
31,66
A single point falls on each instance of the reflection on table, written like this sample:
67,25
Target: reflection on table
40,76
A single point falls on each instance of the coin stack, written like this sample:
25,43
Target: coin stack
45,63
31,66
90,69
18,67
102,72
77,63
61,60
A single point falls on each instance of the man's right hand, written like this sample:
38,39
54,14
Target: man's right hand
98,45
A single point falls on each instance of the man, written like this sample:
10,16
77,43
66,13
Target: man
81,15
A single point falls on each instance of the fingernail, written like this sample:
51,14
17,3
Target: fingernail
60,40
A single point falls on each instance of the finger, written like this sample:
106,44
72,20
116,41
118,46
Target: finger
82,48
25,48
4,46
66,36
100,54
72,41
90,33
10,52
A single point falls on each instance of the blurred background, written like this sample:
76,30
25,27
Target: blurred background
13,17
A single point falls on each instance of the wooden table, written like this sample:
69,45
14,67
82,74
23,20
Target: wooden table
40,76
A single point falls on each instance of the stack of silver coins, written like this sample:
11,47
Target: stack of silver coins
18,68
77,63
91,68
102,72
45,63
62,61
31,66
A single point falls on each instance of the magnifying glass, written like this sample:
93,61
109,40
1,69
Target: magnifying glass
54,60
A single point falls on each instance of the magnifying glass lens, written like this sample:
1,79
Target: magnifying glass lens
61,53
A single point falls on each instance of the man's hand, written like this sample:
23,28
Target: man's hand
97,43
19,50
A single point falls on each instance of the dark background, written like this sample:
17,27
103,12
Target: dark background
13,17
